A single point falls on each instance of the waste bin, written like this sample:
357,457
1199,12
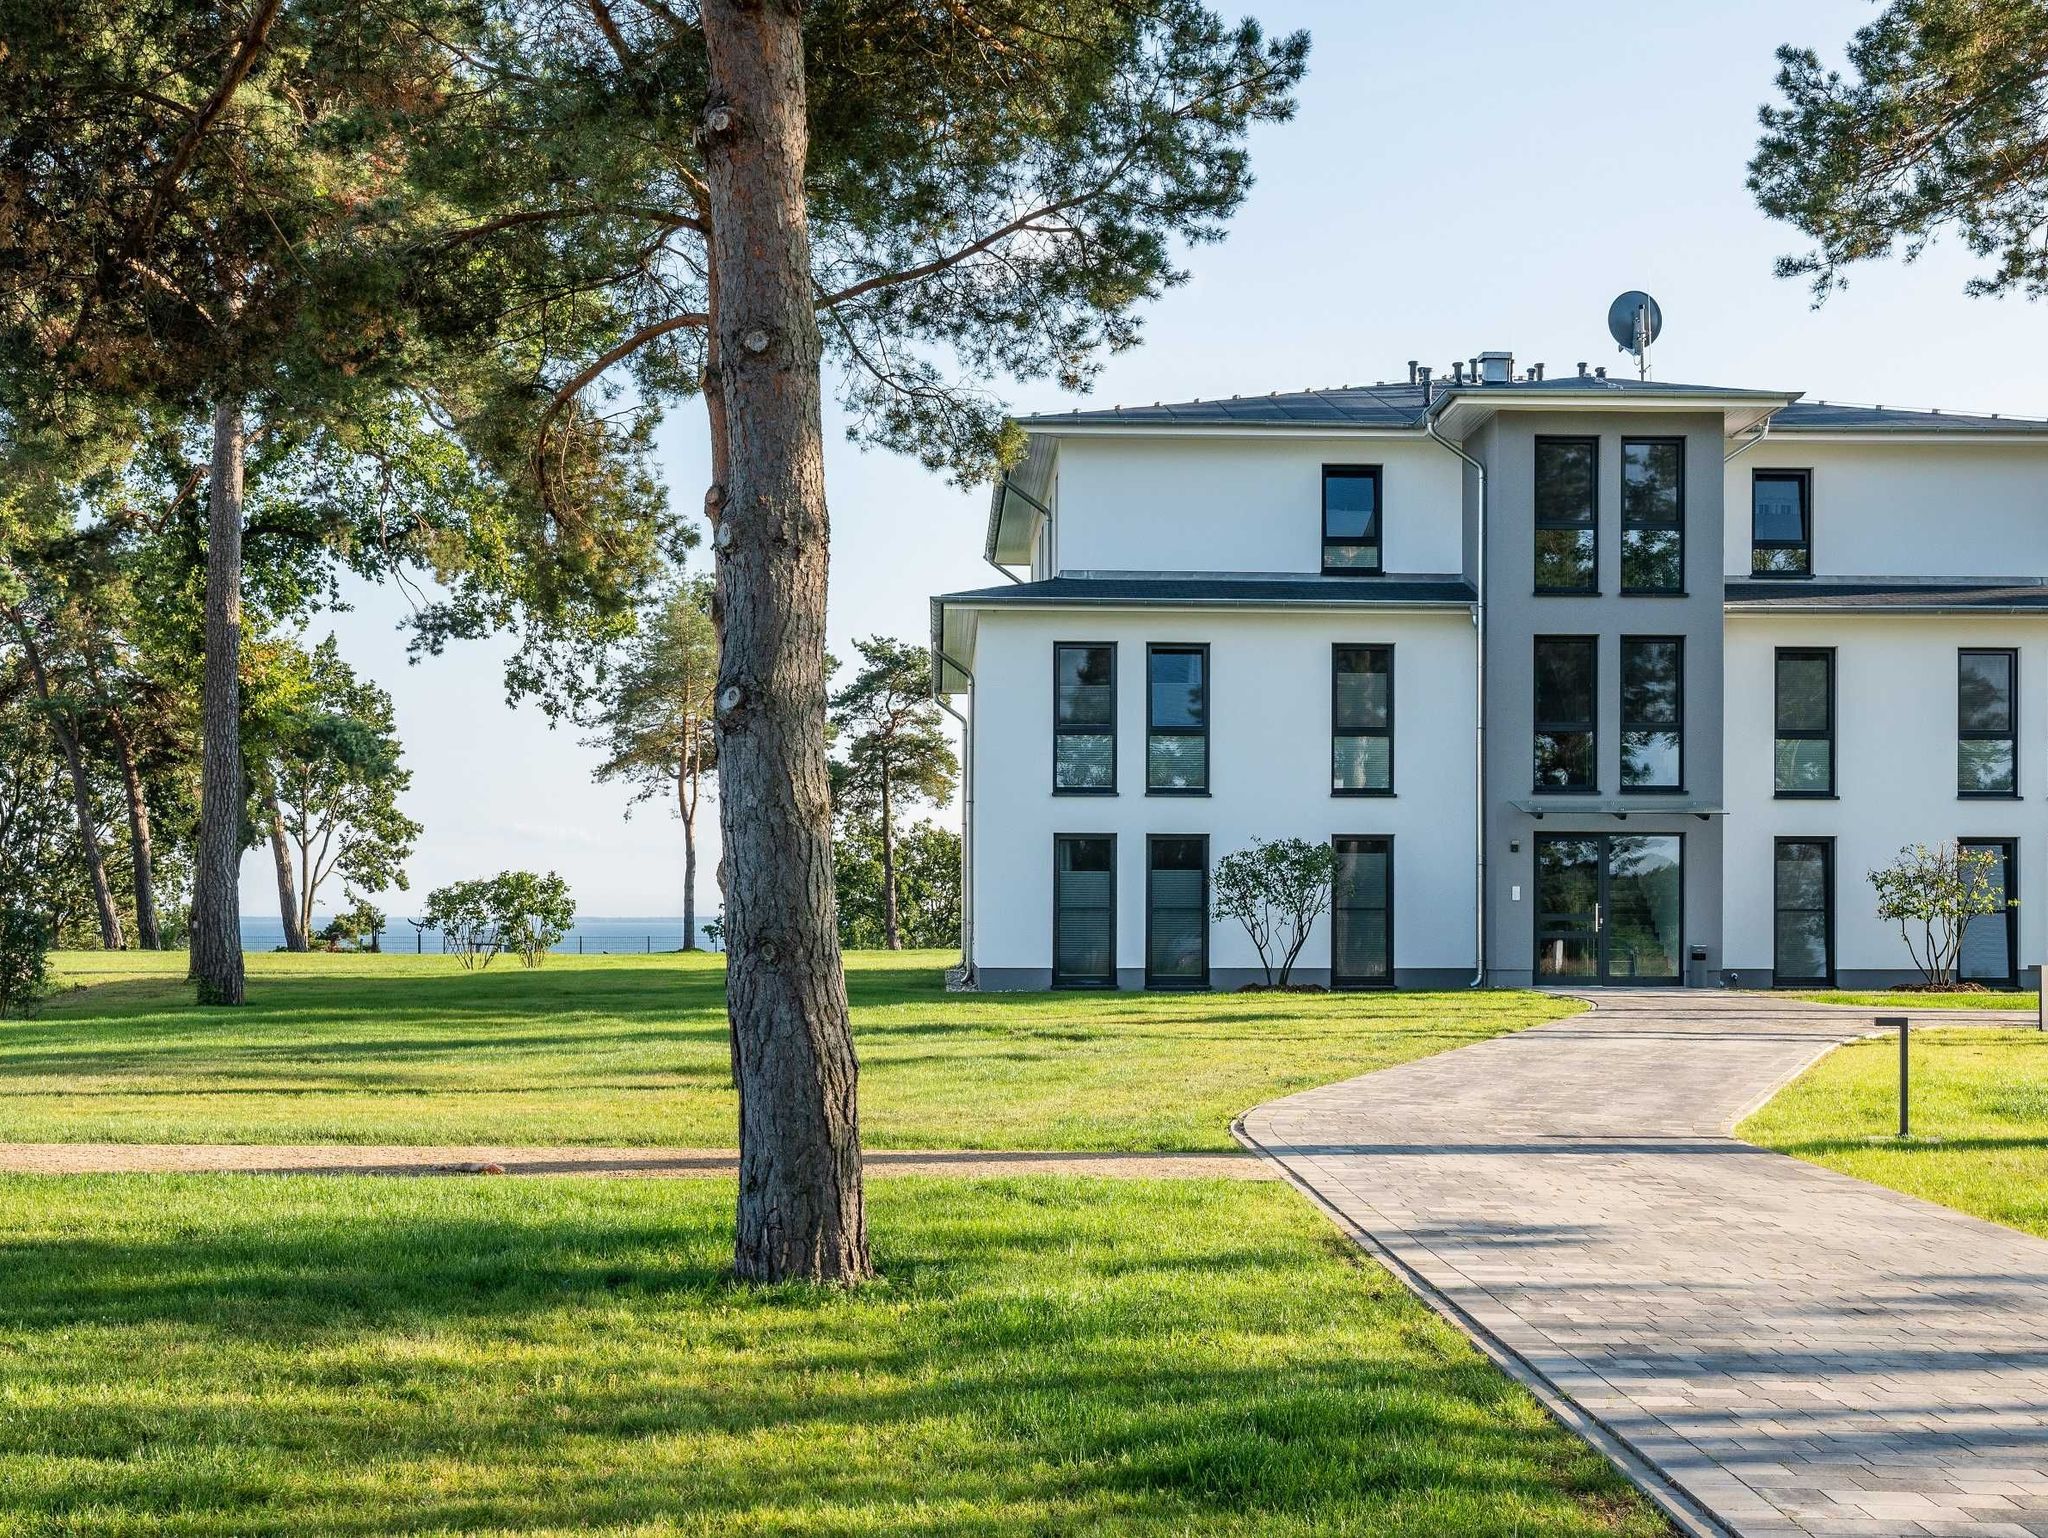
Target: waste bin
1697,977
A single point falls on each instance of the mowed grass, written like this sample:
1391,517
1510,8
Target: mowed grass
245,1356
1979,1117
632,1049
1884,1002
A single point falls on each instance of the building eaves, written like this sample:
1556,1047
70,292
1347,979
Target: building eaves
1883,595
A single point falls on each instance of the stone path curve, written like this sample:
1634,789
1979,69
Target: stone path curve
1769,1348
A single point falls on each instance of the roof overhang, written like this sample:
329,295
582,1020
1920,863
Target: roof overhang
1622,807
954,628
1463,412
1018,506
2034,438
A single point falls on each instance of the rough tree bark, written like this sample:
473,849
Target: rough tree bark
686,803
141,847
892,938
287,888
216,903
66,729
801,1210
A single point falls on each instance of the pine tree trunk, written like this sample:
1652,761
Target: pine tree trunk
892,937
689,862
287,889
141,849
216,902
801,1211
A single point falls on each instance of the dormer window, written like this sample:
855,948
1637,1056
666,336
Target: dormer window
1781,524
1351,520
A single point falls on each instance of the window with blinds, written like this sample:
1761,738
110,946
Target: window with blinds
1177,912
1362,914
1084,911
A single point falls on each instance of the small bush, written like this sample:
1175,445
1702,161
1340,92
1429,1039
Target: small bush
24,961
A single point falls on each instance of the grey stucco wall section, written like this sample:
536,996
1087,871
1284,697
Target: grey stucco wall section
1517,614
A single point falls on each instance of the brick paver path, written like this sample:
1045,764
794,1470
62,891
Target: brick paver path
1769,1347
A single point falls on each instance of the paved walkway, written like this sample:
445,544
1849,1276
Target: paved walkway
672,1163
1770,1348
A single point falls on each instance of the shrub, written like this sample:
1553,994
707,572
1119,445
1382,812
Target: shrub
1276,889
1936,892
514,910
24,961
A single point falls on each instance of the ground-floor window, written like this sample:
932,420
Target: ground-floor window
1084,910
1991,941
1177,911
1803,882
1362,914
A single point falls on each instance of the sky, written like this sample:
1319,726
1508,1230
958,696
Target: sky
1458,178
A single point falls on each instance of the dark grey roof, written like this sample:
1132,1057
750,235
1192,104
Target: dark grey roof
1891,594
1180,590
1827,416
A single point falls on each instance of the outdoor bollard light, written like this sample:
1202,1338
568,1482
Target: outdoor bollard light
1905,1087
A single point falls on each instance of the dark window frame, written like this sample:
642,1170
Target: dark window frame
1541,726
1804,479
1176,984
1375,474
1539,524
1338,730
1805,734
1676,728
2011,845
1098,983
1059,729
1153,649
1370,984
1827,849
1677,526
2012,715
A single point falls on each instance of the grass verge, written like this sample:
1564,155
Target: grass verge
1889,1001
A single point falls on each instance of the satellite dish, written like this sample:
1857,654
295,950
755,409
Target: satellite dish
1634,321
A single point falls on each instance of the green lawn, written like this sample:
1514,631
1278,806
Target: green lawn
1888,1002
243,1356
1980,1120
632,1049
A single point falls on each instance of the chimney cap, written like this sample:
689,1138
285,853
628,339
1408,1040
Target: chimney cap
1494,367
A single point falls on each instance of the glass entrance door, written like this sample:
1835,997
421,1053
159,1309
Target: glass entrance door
1608,908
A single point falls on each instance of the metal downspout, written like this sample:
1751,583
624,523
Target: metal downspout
966,817
1478,712
1762,432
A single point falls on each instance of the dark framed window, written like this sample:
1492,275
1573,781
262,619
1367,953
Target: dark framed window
1351,519
1362,913
1804,702
1176,911
1987,722
1084,718
1084,910
1653,515
1991,941
1781,523
1361,720
1567,734
1652,713
1567,515
1177,720
1803,919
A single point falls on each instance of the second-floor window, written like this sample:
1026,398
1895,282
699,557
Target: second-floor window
1652,713
1781,523
1084,718
1566,730
1804,749
1351,519
1987,726
1362,721
1567,515
1653,515
1177,720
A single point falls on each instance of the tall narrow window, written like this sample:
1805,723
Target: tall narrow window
1177,912
1362,914
1351,519
1652,515
1803,932
1084,911
1781,523
1567,515
1177,726
1652,713
1987,724
1805,706
1567,667
1362,730
1991,941
1084,719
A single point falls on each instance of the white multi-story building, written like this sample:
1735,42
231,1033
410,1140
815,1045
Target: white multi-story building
1587,680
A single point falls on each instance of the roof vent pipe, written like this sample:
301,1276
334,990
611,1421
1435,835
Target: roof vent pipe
1412,366
1457,373
1473,367
1582,371
1428,387
1496,367
1601,372
1536,372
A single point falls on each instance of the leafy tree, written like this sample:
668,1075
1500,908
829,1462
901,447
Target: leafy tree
896,753
1277,889
24,951
927,873
330,777
1941,123
514,910
653,718
359,926
1934,893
